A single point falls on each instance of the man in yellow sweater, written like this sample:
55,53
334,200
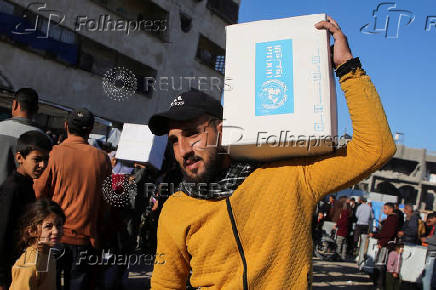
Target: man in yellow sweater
239,225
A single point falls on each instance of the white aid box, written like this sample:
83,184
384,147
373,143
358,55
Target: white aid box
137,143
280,97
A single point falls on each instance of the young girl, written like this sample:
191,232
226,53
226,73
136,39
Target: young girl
393,268
41,230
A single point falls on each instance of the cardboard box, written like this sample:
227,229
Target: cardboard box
137,143
280,97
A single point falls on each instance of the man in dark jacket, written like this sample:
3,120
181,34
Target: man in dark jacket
386,234
409,231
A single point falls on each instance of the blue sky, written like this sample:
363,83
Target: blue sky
403,69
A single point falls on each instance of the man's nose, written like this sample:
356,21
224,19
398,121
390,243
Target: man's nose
57,230
43,163
185,146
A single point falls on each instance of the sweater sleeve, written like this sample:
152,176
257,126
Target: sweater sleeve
24,278
171,268
372,144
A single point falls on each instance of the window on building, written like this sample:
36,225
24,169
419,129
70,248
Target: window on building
211,54
401,166
142,72
226,9
95,57
68,47
185,22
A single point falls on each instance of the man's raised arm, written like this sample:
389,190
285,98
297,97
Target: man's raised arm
372,144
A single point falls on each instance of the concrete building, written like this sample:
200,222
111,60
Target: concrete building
146,50
410,175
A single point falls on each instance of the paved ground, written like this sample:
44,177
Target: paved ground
339,275
326,276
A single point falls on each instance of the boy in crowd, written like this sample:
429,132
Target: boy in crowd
16,193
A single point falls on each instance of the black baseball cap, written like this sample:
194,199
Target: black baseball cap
187,106
81,119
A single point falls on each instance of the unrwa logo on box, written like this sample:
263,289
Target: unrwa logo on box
273,94
274,78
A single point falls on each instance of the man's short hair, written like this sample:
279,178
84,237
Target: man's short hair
33,140
80,122
27,98
408,205
362,199
431,215
389,204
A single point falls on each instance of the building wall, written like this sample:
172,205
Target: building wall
410,174
174,58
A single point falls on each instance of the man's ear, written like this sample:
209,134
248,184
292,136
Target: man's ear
20,158
219,127
15,105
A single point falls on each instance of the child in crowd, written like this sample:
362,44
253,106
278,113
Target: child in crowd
41,230
393,268
342,229
16,193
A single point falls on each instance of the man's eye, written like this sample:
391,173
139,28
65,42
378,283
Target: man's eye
192,133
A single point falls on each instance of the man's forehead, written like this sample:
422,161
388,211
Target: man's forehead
189,124
39,153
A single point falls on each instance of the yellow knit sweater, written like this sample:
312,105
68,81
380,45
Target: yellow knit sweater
269,245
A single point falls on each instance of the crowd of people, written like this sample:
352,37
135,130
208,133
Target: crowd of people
353,219
232,224
75,189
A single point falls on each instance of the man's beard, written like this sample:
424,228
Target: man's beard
211,169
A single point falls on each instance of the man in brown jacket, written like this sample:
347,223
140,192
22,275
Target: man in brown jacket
74,178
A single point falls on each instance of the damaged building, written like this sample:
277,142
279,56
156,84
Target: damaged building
73,53
410,175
